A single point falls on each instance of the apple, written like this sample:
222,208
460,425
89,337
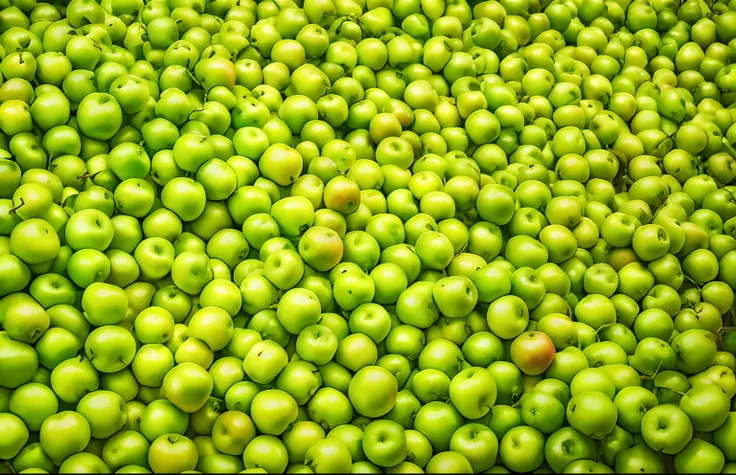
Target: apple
444,462
592,379
509,382
110,348
508,316
580,410
477,443
697,399
384,443
212,325
702,454
105,412
172,452
298,308
64,434
264,361
542,411
266,452
666,428
373,391
522,440
640,457
104,304
187,386
17,435
629,397
161,417
532,352
565,446
437,421
273,411
473,392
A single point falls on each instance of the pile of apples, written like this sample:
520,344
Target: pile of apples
367,236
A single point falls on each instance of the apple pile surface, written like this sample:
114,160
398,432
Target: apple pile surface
367,236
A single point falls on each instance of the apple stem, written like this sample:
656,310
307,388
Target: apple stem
658,368
19,206
728,147
194,78
692,282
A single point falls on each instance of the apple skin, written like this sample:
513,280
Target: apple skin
328,456
192,271
508,316
437,421
372,391
89,228
172,452
533,352
478,444
104,304
455,296
274,411
567,445
384,443
213,325
105,411
298,308
64,434
522,440
706,406
110,348
264,361
187,386
473,392
321,248
699,455
16,435
449,462
542,411
592,413
666,428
